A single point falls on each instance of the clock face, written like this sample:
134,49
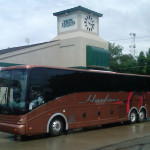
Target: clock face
89,23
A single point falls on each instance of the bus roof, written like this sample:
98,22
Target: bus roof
73,69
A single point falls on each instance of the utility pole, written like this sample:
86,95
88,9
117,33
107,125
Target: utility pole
133,46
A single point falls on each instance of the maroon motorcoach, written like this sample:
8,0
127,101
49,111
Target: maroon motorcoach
38,99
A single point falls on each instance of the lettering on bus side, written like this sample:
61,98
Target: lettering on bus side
93,99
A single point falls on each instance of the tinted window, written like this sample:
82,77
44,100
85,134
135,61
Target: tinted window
46,85
53,83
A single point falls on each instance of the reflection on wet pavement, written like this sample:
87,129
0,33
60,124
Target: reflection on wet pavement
80,139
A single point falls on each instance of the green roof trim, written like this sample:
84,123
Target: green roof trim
97,57
78,8
80,67
3,64
91,68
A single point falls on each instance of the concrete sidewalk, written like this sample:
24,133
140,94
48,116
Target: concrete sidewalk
142,143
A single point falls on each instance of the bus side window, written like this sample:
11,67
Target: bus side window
37,85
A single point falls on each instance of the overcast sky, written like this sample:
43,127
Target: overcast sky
33,19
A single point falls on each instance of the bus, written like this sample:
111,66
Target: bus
39,99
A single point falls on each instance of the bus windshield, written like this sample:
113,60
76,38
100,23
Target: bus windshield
13,91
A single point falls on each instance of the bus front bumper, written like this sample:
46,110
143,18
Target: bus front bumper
13,128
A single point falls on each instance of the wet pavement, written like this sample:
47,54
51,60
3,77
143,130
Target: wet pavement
109,137
142,143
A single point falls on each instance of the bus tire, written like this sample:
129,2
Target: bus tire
142,116
133,117
56,127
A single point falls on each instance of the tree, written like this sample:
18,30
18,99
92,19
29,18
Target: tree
115,53
120,62
126,63
141,62
148,62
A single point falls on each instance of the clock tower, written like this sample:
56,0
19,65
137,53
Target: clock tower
77,44
78,19
78,34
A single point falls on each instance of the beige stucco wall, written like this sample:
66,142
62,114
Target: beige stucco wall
81,40
67,50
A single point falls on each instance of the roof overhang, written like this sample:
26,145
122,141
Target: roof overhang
76,9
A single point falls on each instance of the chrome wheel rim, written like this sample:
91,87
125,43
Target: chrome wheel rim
141,115
133,117
56,126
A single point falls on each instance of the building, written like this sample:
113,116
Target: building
77,44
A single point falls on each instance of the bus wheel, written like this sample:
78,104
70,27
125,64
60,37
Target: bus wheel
133,116
56,127
142,116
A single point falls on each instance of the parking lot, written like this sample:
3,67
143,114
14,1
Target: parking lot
114,136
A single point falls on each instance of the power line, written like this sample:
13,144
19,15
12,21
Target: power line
136,41
134,67
130,38
142,40
143,37
121,39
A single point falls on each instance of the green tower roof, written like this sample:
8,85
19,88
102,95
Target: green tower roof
77,8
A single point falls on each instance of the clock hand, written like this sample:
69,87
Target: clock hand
90,24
